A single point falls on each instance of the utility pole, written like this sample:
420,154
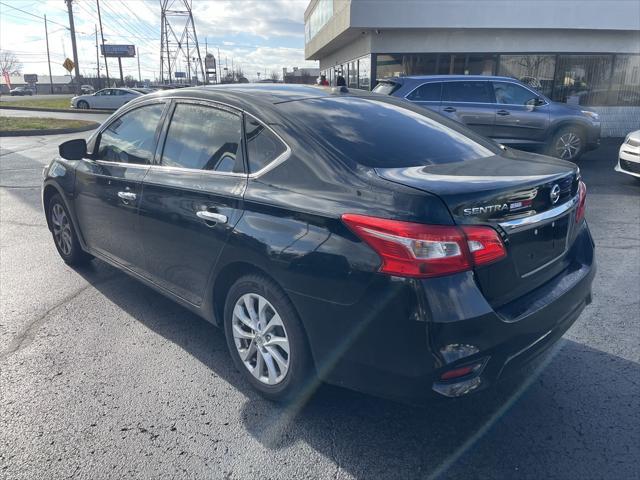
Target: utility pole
106,65
120,65
46,35
97,56
139,74
73,44
218,67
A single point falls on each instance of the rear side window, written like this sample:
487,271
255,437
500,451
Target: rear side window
131,138
203,138
263,146
429,92
386,88
511,94
467,91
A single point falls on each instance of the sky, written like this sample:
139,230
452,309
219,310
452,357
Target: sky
257,35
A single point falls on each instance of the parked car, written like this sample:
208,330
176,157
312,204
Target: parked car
21,91
629,155
107,98
87,89
503,109
350,237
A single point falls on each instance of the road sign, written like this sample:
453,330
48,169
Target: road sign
68,65
31,78
118,50
181,75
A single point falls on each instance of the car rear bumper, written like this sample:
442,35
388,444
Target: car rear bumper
406,334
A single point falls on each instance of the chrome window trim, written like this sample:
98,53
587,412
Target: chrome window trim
537,94
543,217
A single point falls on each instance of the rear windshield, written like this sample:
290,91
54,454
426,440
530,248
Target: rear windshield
386,88
379,134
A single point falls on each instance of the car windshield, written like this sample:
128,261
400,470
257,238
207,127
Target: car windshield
379,134
386,88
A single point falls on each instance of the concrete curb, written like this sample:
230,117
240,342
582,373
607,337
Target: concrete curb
67,110
53,131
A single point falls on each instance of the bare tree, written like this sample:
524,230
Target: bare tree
9,63
274,75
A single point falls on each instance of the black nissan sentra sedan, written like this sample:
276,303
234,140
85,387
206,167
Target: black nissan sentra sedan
348,237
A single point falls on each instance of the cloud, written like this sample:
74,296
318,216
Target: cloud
260,35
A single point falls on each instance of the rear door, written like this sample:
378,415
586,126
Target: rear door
192,197
108,184
427,95
470,102
519,117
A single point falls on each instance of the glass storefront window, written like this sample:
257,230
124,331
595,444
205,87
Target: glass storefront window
625,84
396,65
535,71
352,81
364,73
480,64
582,79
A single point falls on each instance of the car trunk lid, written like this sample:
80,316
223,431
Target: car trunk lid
528,198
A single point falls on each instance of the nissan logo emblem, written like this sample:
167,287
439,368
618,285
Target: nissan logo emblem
555,194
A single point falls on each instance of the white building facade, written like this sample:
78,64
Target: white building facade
585,52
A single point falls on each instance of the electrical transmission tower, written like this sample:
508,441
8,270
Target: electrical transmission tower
176,17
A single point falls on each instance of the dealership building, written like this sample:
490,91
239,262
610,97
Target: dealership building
575,51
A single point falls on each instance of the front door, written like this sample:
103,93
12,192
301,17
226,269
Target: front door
108,185
192,199
520,118
469,102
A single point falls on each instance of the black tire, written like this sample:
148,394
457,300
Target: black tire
299,380
83,105
568,143
64,233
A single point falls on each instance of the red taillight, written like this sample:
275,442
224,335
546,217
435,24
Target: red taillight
582,201
419,250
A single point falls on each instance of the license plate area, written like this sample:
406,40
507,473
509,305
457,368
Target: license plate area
540,245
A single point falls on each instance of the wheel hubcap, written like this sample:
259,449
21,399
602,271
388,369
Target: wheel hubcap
61,228
568,145
260,338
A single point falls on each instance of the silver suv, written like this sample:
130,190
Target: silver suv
503,109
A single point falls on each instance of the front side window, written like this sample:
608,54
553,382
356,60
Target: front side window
469,92
511,94
203,138
429,92
131,138
263,146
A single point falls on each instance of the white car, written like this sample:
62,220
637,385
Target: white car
629,155
107,98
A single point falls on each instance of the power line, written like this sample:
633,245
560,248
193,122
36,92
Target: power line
36,16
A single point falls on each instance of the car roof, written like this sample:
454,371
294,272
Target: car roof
258,95
448,77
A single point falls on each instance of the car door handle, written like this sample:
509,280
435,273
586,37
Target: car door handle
211,216
128,196
503,112
449,109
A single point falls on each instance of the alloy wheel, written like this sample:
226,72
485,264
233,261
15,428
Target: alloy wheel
61,228
568,146
260,338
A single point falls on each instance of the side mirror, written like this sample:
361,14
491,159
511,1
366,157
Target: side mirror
73,149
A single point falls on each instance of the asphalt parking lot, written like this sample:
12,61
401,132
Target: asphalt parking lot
101,377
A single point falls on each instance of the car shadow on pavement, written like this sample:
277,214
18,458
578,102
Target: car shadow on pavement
572,418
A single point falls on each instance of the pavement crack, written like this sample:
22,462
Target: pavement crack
27,333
